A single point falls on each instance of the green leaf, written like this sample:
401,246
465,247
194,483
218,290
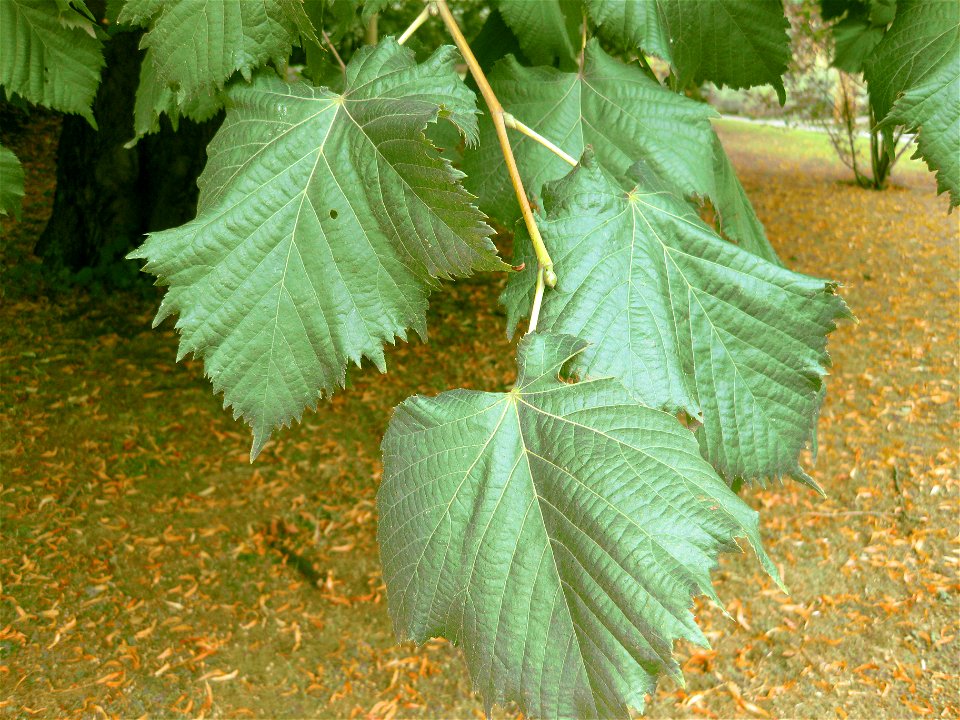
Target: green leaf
932,107
619,109
494,40
50,58
141,12
634,24
877,12
882,12
111,13
627,117
685,320
11,183
912,77
740,43
557,532
860,30
197,45
76,14
323,222
548,30
738,221
154,97
372,7
854,39
924,37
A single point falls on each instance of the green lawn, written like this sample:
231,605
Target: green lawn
804,144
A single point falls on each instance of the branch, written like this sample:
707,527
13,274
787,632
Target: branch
903,148
496,115
333,49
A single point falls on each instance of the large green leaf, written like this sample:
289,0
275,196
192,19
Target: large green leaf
50,56
685,320
740,43
627,117
11,183
197,45
547,29
736,219
913,81
323,221
923,37
557,532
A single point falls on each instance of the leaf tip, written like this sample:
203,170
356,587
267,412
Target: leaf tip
260,439
803,478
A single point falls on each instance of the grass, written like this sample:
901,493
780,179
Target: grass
148,568
804,144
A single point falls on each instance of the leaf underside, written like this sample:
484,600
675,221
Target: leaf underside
548,30
11,183
740,43
932,109
686,321
628,118
557,532
194,47
324,221
914,81
48,57
197,45
155,97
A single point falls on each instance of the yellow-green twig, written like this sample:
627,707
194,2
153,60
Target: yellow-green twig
514,124
428,10
496,115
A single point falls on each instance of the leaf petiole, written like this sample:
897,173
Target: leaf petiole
537,300
511,122
333,49
428,10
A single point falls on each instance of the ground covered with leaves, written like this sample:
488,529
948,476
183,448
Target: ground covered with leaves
148,569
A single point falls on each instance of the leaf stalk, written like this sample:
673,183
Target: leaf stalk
496,115
333,49
511,122
537,300
428,10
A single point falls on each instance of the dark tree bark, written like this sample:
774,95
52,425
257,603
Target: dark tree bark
108,196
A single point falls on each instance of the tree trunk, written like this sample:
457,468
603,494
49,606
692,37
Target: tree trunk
108,196
879,157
